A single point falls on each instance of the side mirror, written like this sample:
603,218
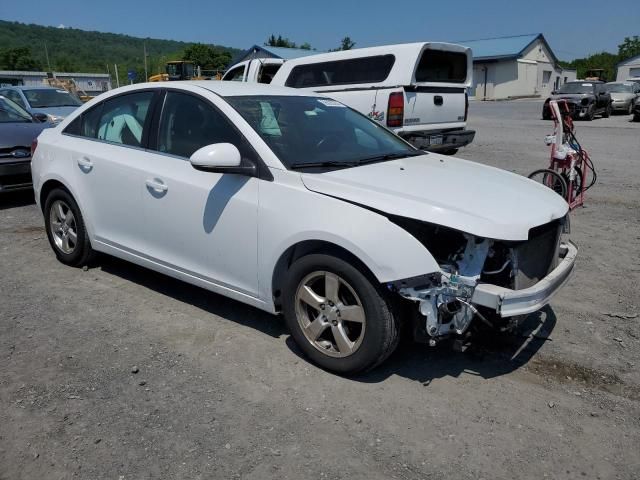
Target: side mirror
220,158
41,117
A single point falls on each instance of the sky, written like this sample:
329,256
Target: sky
573,28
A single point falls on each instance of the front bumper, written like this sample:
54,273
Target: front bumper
510,303
15,175
446,139
621,105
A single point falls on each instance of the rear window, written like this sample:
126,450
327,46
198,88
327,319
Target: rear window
441,66
341,72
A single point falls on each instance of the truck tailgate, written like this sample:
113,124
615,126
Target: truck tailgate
429,105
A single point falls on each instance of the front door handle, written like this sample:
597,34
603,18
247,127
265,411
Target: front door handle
85,163
157,185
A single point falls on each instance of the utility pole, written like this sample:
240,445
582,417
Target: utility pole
115,66
46,53
146,75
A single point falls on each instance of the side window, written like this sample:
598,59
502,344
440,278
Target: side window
189,123
121,120
267,72
86,125
235,74
341,72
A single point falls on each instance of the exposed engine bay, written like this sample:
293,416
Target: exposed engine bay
445,299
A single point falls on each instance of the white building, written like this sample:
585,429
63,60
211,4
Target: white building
515,67
629,68
91,83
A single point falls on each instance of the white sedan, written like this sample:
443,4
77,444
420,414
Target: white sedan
293,203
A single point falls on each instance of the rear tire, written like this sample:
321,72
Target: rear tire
607,111
339,318
66,230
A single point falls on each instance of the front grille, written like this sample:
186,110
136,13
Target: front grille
18,152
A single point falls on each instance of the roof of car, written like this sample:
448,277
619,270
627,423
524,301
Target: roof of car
232,89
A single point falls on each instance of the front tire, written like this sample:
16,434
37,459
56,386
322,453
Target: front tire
338,317
66,230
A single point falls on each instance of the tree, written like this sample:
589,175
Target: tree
64,63
207,57
629,48
18,59
281,41
347,43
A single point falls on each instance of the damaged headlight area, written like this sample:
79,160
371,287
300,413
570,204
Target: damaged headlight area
445,299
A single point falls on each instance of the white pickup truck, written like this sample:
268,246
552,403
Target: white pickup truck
418,90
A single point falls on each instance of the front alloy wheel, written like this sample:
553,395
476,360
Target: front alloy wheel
330,314
338,314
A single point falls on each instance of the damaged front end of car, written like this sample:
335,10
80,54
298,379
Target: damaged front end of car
489,280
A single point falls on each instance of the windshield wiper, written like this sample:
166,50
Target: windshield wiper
295,166
388,156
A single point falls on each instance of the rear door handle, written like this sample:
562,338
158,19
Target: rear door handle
85,163
157,185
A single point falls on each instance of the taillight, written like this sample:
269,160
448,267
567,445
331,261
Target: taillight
395,112
466,106
34,145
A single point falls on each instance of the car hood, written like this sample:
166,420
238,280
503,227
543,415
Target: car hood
57,111
622,96
20,134
448,191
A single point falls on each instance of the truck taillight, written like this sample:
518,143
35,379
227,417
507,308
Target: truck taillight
466,106
395,112
34,145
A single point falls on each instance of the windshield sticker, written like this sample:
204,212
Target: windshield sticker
62,91
587,84
330,103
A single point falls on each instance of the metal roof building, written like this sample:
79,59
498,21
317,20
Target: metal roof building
515,66
91,83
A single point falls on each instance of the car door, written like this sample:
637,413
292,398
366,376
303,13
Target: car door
106,152
203,224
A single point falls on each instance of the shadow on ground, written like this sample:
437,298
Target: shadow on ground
16,199
486,356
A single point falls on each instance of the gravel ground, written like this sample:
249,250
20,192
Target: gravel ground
221,391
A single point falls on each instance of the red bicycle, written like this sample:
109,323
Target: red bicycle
571,172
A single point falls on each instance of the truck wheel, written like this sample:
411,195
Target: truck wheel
65,229
607,111
591,113
338,317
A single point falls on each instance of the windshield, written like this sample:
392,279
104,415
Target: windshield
576,87
50,97
312,132
10,112
618,88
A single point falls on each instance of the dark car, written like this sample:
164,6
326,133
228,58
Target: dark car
585,99
18,129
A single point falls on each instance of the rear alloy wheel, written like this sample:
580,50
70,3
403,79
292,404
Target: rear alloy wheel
337,316
65,229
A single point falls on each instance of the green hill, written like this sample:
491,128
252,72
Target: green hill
74,50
